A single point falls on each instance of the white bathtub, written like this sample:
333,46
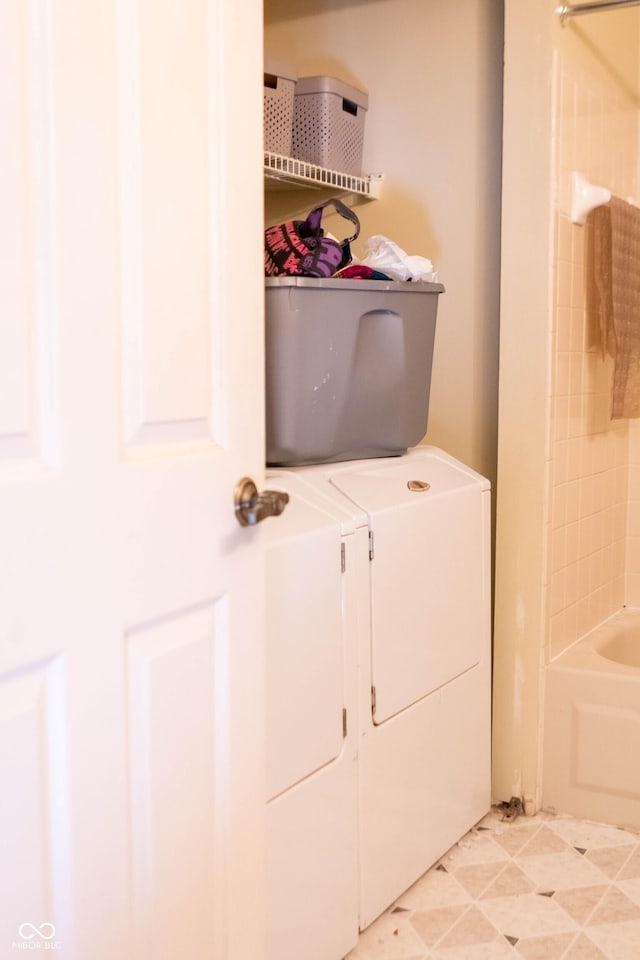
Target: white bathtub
591,754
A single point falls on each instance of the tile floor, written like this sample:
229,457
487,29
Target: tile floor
540,888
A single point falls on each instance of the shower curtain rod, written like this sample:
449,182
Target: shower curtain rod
566,11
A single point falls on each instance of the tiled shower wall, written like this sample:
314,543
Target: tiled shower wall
593,556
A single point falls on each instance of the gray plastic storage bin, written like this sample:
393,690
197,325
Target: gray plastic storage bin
277,100
328,123
348,367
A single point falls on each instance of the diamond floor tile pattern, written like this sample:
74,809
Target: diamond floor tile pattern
541,888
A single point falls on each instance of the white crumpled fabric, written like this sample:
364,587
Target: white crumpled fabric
385,255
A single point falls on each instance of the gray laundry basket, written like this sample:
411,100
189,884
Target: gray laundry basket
348,367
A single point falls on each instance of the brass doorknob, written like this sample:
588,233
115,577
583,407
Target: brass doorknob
251,507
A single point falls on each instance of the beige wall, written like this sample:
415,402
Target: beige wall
433,74
562,517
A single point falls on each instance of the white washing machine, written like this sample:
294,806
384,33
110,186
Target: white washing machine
378,729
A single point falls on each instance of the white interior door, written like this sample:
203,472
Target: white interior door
131,402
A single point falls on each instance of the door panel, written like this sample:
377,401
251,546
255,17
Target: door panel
172,726
33,799
27,359
167,203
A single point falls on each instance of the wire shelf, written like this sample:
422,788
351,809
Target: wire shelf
285,172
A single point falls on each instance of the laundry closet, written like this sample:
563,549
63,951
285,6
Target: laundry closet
378,571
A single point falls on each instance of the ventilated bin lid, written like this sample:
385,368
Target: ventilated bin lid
311,85
278,68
